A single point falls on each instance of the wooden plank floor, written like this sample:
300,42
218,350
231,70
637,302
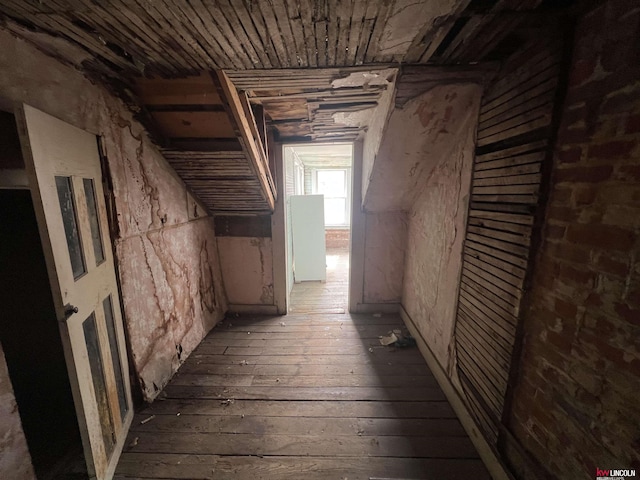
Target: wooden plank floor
325,297
300,396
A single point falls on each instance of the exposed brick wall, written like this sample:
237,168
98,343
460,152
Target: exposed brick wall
576,405
337,238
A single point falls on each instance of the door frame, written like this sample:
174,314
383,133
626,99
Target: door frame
280,233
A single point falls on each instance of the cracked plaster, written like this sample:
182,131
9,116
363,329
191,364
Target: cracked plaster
169,267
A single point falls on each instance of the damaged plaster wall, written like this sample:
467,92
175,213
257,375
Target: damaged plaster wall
247,269
376,129
169,269
385,244
423,167
447,115
15,461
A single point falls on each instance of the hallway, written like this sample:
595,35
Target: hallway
301,396
331,296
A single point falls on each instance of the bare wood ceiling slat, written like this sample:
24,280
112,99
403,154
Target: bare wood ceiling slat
226,31
283,24
274,33
113,22
215,51
357,19
329,37
254,16
381,20
295,22
59,25
345,11
308,32
174,47
256,33
245,35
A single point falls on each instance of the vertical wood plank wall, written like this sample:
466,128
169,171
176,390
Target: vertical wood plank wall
513,144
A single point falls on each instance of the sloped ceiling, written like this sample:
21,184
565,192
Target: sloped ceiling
172,38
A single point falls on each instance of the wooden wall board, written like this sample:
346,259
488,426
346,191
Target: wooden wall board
509,168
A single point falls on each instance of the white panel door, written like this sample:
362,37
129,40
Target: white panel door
307,230
65,178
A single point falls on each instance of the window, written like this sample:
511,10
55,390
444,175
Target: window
334,185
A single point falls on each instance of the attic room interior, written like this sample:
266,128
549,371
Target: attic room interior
479,198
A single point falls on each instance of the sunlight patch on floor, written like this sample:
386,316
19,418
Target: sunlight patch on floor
332,261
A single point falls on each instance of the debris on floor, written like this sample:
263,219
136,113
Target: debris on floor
243,362
147,420
388,339
396,338
282,324
227,402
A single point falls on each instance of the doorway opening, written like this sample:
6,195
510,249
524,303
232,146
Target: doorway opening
29,332
318,186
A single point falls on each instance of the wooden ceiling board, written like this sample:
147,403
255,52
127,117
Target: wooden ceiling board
197,90
292,109
194,124
177,38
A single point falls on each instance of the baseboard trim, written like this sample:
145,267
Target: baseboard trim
376,308
496,468
254,309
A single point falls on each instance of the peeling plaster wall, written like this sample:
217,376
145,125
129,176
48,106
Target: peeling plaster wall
417,138
385,244
169,267
437,217
15,461
247,269
375,134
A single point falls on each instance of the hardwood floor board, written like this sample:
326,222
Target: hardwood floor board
296,408
317,397
247,341
272,351
320,445
302,369
258,425
373,332
378,356
306,393
304,380
190,466
311,320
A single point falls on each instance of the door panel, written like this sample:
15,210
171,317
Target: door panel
63,166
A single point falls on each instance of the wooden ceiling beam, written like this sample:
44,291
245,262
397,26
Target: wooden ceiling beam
255,154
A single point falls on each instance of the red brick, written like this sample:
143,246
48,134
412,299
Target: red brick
605,263
569,135
570,156
582,70
570,252
602,236
562,214
584,174
629,314
633,124
578,275
593,300
619,103
628,172
555,232
566,310
584,195
561,196
612,149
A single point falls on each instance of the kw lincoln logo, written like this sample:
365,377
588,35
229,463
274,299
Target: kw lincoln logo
614,474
